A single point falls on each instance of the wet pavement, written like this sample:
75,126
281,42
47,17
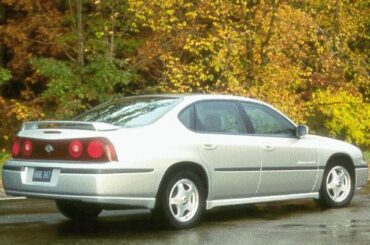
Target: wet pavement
34,221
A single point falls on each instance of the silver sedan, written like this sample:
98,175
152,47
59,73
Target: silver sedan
179,155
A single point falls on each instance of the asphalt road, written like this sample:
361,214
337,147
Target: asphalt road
34,221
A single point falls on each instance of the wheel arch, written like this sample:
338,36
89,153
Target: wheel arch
186,165
344,158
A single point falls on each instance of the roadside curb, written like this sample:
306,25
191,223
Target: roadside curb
12,198
4,197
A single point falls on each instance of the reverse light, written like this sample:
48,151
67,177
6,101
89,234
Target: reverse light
110,152
27,148
75,149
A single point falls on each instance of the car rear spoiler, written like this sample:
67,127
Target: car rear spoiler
95,126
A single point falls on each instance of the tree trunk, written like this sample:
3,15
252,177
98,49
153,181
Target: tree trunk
265,43
80,40
2,20
250,42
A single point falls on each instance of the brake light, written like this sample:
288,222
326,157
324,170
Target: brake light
95,149
75,149
16,147
27,148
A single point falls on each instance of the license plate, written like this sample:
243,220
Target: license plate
42,174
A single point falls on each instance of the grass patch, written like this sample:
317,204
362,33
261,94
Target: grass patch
3,158
367,156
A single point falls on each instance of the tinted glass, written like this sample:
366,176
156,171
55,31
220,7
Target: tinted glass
130,112
186,117
267,121
218,117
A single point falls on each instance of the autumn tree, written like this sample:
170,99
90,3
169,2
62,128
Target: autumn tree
309,58
288,53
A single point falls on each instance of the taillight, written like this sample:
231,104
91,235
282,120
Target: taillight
16,147
27,148
99,149
75,149
95,149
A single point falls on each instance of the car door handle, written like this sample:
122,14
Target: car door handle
209,146
268,147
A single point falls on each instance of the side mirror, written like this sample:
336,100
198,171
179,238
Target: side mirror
302,130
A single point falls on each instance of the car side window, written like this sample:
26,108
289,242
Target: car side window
218,117
267,121
187,117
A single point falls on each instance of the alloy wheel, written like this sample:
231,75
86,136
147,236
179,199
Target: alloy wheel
184,200
338,184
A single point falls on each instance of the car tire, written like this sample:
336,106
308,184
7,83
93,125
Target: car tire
78,210
181,201
338,185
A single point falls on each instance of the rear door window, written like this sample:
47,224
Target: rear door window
218,117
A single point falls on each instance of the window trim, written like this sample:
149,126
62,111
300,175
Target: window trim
247,124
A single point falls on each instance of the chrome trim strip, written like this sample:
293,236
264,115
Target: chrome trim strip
105,171
269,168
225,202
236,169
146,202
310,162
289,168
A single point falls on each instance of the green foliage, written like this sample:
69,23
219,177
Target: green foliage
343,115
367,157
72,95
3,157
92,73
5,75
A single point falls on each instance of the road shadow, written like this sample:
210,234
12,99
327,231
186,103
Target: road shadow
134,224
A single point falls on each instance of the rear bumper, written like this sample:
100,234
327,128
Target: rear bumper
104,200
94,183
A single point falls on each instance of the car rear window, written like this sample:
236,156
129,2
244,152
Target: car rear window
130,111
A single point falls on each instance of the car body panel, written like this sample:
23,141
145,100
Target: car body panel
289,165
234,161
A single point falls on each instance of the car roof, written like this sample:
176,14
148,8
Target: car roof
190,98
217,97
196,97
